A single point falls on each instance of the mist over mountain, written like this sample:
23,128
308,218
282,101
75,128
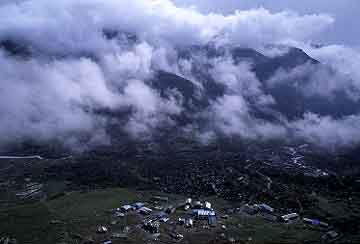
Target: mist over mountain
98,71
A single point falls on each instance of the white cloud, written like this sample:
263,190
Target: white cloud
327,131
150,110
239,79
345,60
57,92
73,26
46,101
60,99
339,72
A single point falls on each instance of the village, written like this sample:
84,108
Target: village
161,221
189,201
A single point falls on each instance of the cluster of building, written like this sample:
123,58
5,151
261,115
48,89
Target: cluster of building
204,211
195,210
122,211
138,206
268,212
189,212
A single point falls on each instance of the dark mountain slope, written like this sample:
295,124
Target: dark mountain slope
291,59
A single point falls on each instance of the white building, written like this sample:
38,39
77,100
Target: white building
207,205
145,210
289,217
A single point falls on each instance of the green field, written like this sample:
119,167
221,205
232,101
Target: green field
78,214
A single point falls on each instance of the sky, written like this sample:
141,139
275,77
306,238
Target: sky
345,30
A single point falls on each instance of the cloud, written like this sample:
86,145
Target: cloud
328,132
332,83
343,31
232,115
337,74
84,60
43,101
345,60
150,110
239,79
76,26
314,80
61,99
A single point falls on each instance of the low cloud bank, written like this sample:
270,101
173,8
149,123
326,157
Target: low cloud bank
86,57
